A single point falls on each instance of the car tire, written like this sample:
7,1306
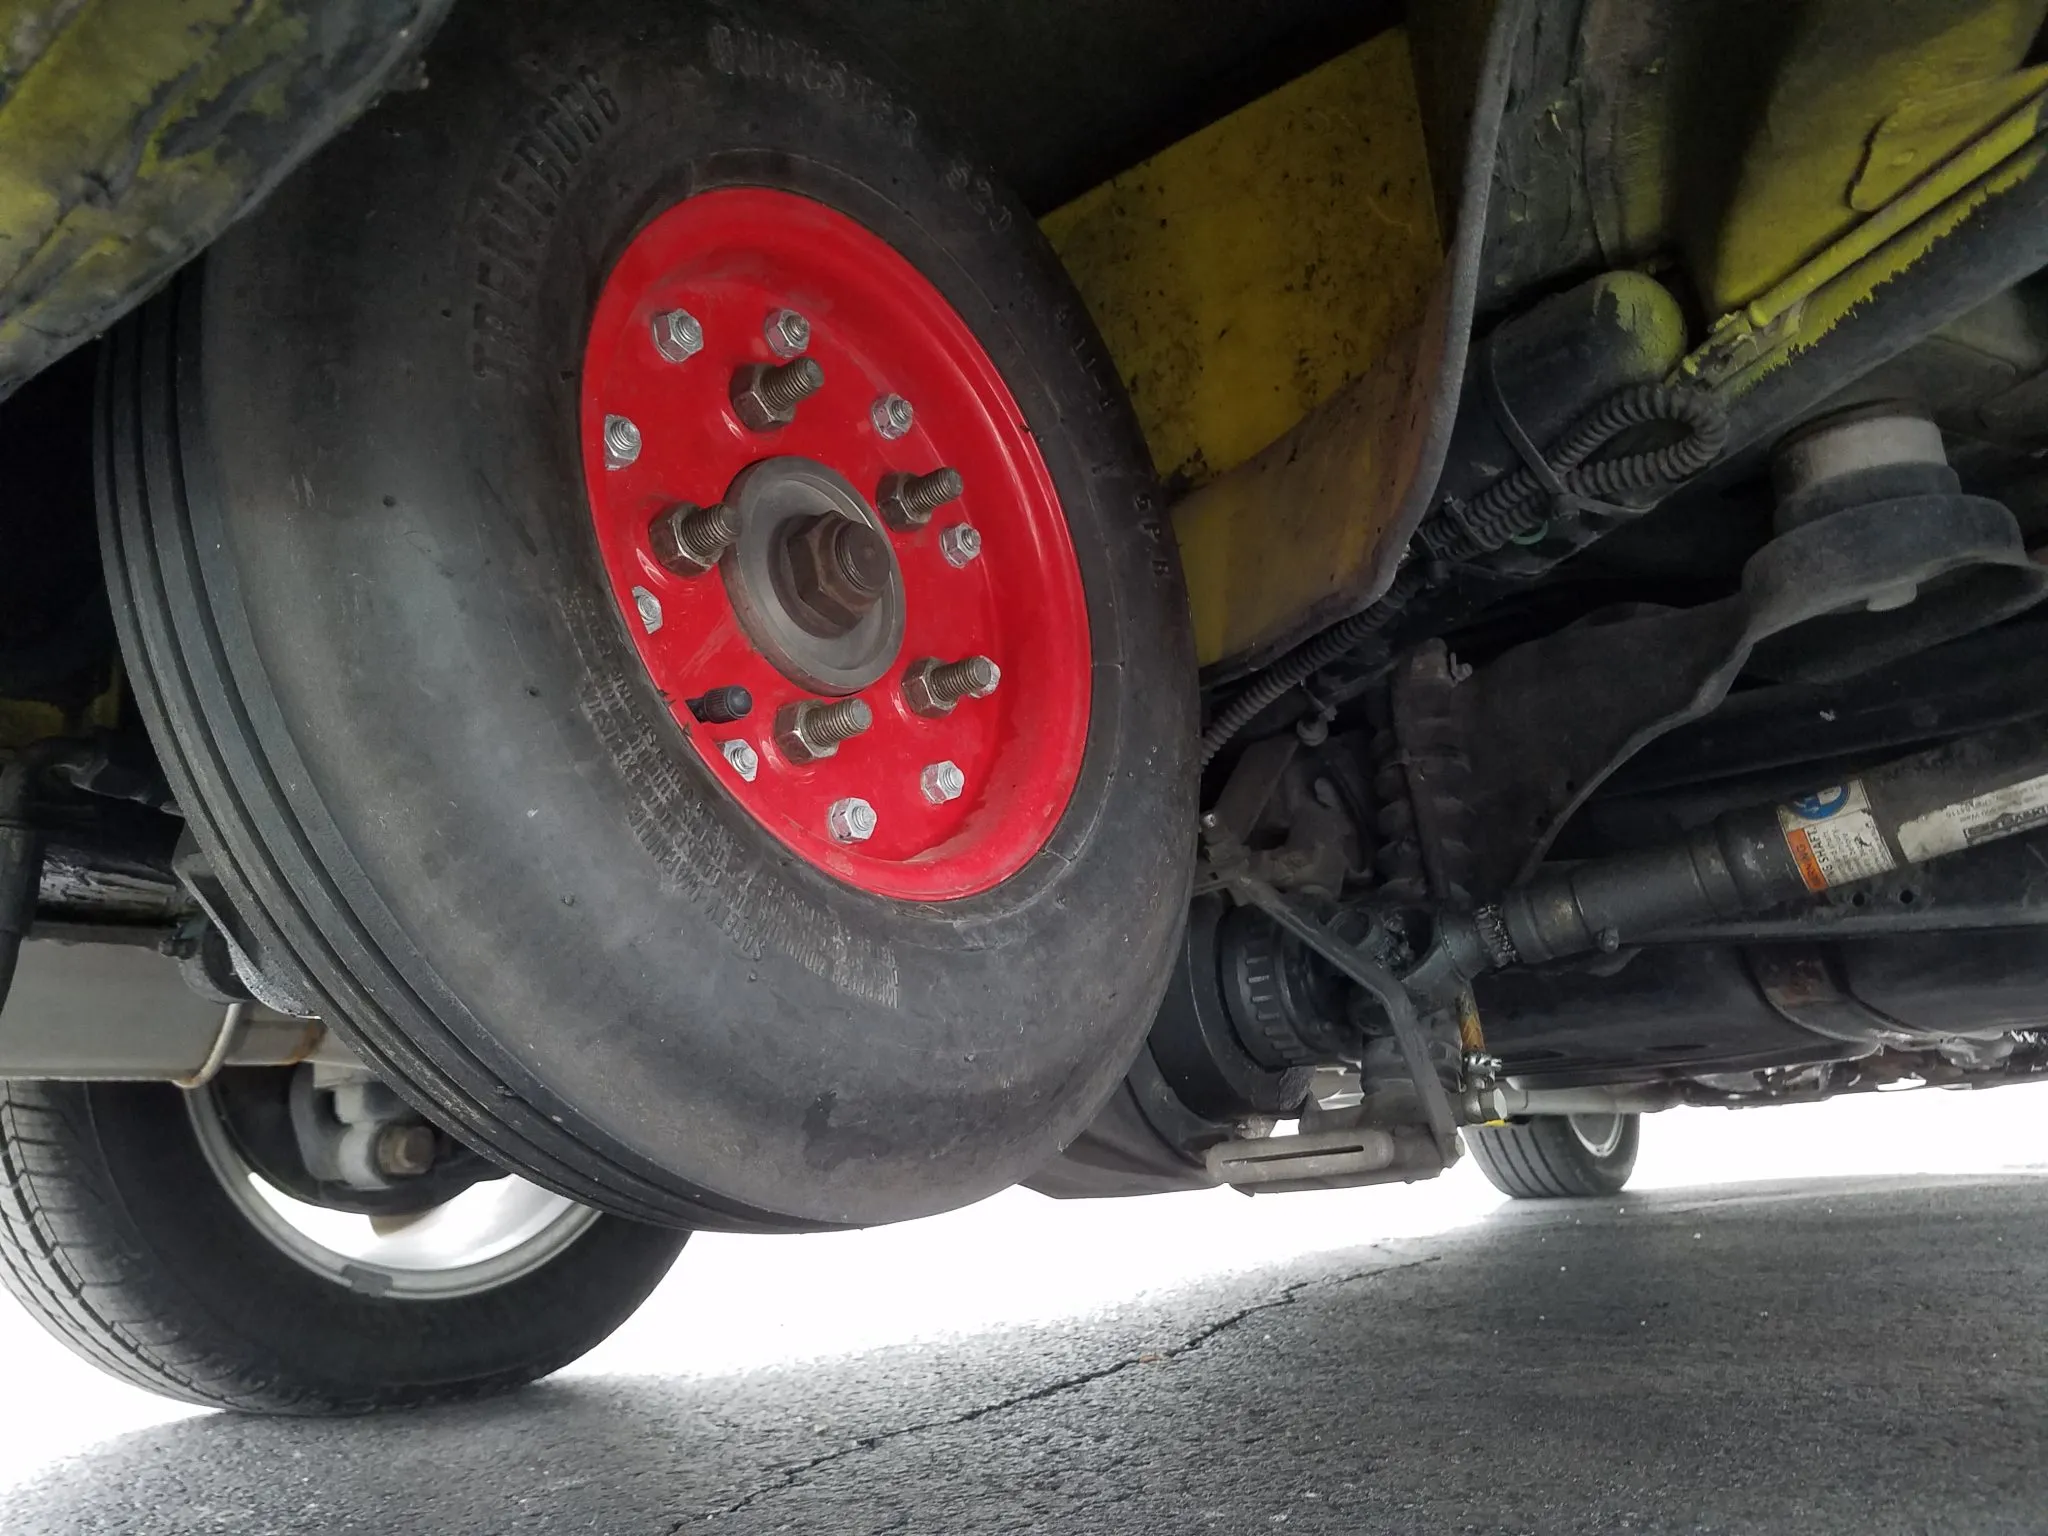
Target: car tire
347,504
121,1236
1553,1157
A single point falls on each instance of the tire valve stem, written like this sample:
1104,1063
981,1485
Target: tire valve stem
766,396
689,540
722,706
931,688
810,729
907,502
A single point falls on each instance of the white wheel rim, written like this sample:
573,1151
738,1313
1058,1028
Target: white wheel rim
1598,1134
487,1236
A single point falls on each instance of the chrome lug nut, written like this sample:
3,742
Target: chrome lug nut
931,688
621,442
851,820
960,544
765,397
689,539
788,333
649,607
942,782
746,762
810,729
677,335
892,416
907,502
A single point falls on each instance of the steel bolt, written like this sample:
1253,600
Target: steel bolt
931,688
942,782
765,397
722,706
907,502
621,442
689,539
405,1151
892,416
852,820
650,609
813,728
788,333
746,762
960,544
677,335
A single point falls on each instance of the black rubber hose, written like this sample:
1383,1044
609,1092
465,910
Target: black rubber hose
1515,505
1518,504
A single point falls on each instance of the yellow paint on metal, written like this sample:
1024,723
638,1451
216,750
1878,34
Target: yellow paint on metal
1244,275
1806,304
1848,65
27,720
119,127
1926,131
1284,542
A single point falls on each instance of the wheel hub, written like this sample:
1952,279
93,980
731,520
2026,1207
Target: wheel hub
822,626
772,392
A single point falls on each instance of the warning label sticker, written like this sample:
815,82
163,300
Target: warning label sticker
1833,838
1981,820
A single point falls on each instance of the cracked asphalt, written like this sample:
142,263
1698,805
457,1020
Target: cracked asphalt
1838,1356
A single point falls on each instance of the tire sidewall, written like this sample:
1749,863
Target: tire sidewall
242,1324
635,957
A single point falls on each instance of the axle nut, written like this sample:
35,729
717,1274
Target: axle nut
838,570
851,820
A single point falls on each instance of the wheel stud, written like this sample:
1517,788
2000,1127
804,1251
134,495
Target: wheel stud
892,416
746,762
851,820
689,540
907,502
621,442
961,545
931,688
722,706
788,333
677,335
766,397
648,606
812,728
942,781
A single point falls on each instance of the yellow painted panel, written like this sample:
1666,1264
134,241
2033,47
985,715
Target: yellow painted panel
1851,65
1244,275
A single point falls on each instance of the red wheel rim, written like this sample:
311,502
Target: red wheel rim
730,259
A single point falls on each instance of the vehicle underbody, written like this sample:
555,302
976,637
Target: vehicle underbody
1607,481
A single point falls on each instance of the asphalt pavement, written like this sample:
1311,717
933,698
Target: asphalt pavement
1838,1356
